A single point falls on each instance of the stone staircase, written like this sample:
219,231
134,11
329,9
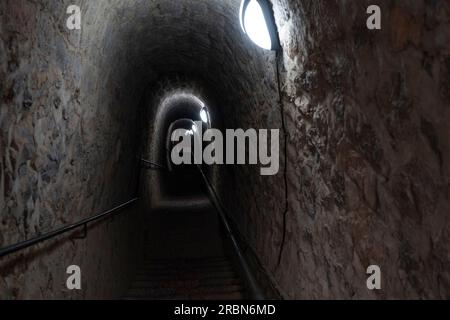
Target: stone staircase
185,259
212,278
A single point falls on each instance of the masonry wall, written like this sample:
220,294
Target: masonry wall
368,151
66,152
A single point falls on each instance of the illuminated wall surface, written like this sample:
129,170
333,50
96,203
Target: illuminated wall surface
362,192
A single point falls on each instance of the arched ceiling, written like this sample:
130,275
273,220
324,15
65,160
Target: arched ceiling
144,41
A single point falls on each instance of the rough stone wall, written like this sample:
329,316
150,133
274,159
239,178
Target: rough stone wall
66,152
368,152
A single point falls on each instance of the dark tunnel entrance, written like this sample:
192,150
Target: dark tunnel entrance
182,180
179,186
187,245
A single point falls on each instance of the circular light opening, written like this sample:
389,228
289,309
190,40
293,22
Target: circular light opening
256,18
204,115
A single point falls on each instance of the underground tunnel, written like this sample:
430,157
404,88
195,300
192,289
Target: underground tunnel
87,116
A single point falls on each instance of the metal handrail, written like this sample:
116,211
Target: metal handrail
253,286
252,283
29,243
154,165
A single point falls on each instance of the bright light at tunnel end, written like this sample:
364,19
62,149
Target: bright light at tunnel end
204,115
258,22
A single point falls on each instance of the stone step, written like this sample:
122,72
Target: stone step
210,296
186,276
194,261
186,269
206,278
156,283
188,292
